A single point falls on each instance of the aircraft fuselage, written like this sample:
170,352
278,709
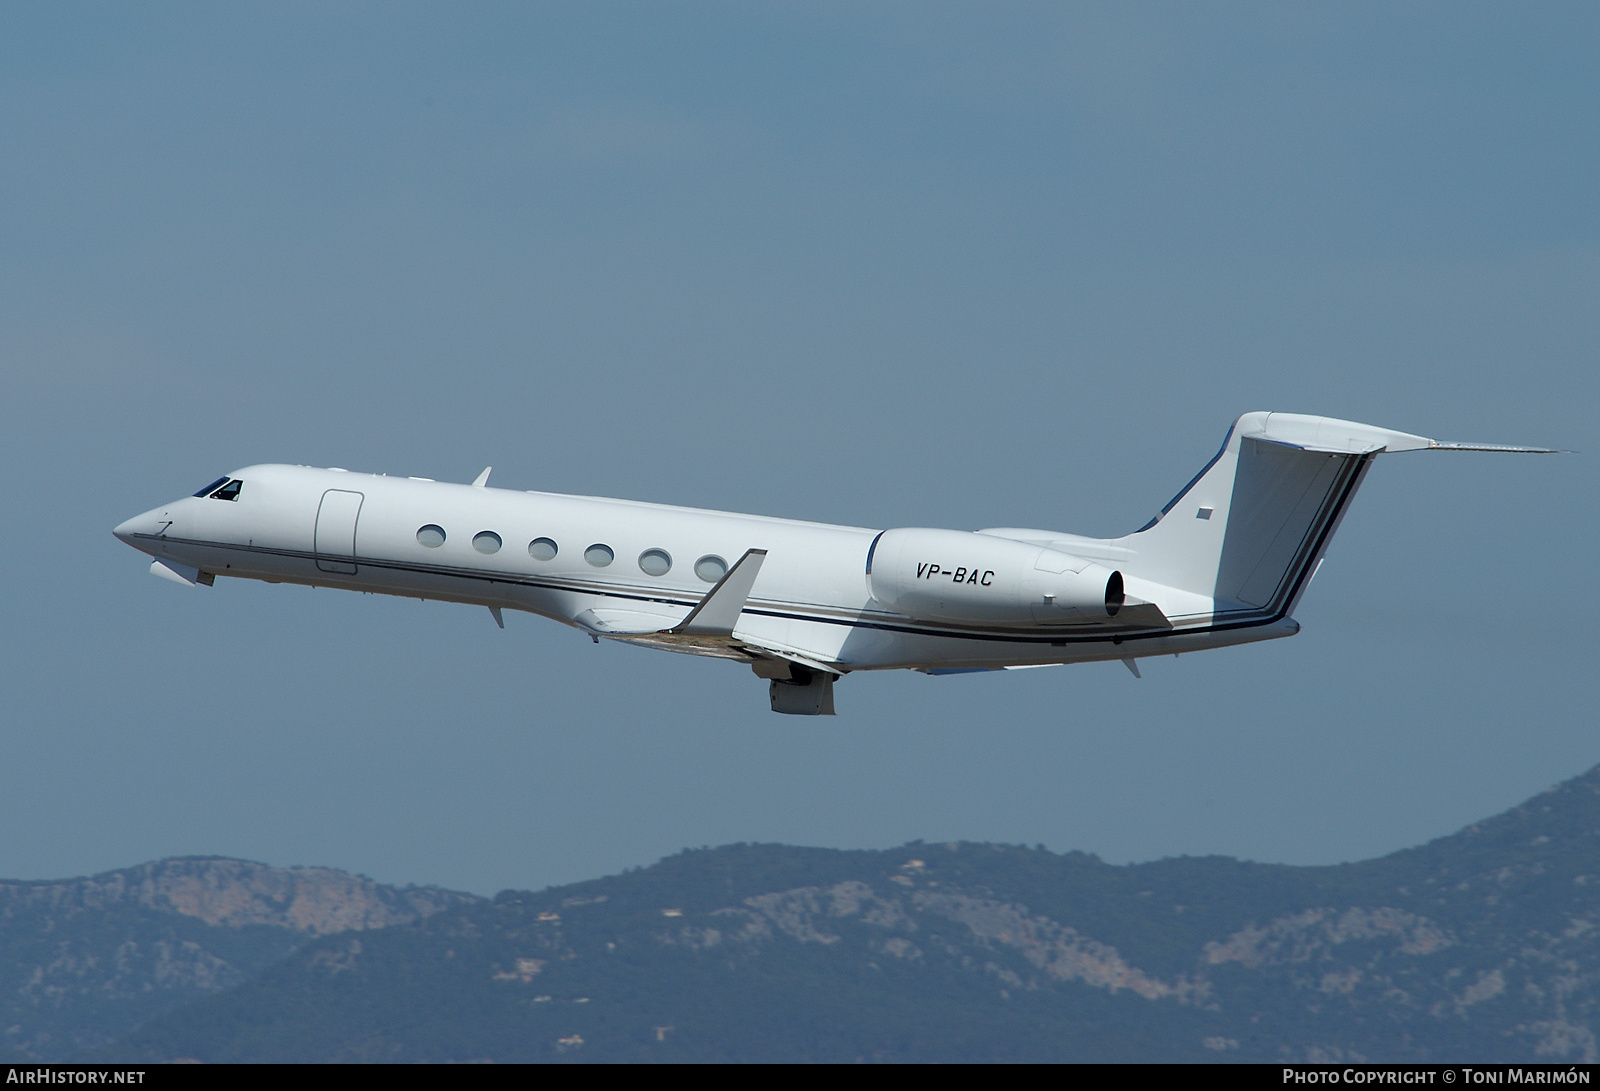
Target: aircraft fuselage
803,603
287,526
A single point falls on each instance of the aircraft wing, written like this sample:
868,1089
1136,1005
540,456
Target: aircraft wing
713,616
764,658
605,621
707,629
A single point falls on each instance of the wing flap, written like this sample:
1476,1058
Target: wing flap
606,621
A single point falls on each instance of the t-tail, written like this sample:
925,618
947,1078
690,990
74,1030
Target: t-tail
1249,531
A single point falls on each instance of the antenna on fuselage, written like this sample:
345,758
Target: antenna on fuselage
483,478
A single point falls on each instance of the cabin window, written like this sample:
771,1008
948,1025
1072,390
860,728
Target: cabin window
208,489
711,568
655,562
486,541
599,555
431,536
543,549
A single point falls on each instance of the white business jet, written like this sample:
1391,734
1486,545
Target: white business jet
804,603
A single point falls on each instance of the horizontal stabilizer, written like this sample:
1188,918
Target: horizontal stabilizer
719,611
1435,445
1326,435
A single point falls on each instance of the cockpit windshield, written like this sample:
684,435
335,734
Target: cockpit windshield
222,488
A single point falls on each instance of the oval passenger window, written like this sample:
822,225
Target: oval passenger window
711,568
542,549
655,562
431,536
486,541
599,555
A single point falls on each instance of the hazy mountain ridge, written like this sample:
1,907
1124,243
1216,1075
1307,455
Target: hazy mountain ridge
221,890
82,960
1484,945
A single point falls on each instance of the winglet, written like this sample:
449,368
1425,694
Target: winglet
719,611
483,478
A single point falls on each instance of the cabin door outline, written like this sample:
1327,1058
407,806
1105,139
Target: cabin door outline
335,539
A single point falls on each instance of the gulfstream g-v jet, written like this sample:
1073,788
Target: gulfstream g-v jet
802,604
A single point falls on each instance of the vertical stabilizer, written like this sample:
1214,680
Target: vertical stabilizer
1248,531
1250,528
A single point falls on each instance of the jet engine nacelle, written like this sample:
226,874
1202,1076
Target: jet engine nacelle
953,575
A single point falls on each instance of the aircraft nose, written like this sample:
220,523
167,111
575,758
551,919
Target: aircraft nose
148,524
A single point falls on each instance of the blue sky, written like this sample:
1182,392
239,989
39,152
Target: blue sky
881,265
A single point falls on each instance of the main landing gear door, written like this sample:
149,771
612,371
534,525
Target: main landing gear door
804,693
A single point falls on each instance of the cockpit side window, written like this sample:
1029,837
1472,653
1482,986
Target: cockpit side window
207,490
230,491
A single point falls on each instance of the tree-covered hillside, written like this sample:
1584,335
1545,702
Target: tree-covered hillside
1479,946
84,960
